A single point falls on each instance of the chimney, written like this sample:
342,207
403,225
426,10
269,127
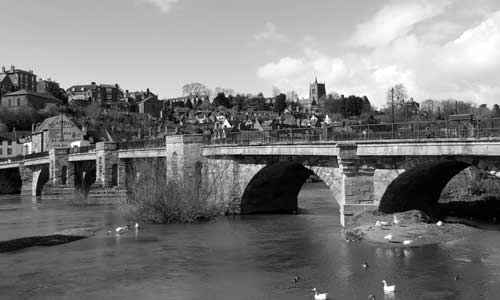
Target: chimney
12,68
3,69
147,91
92,83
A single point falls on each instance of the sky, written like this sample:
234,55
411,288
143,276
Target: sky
439,49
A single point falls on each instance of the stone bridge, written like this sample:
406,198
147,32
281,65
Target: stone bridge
391,175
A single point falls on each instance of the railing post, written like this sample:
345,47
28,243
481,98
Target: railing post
392,130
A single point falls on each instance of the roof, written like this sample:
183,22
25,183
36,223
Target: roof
151,97
48,121
25,92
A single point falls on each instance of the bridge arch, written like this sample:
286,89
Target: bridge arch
274,188
421,183
40,177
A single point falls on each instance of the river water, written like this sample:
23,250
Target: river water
248,257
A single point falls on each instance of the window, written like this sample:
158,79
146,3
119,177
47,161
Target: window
9,151
10,102
18,102
9,142
64,175
1,151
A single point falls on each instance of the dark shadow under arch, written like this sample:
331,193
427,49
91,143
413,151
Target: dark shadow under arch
420,187
274,189
10,181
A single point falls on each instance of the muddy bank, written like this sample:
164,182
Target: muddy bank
414,227
58,238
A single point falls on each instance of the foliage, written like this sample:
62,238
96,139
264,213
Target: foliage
154,200
279,103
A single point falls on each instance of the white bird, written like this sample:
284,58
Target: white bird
120,229
388,288
388,237
318,296
136,226
384,223
378,223
407,242
395,221
439,223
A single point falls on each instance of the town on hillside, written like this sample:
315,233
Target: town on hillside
37,114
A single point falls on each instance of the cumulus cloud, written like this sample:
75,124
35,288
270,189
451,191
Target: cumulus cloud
164,5
465,66
271,34
394,20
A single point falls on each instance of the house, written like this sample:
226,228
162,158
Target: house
24,98
9,146
20,79
104,94
57,131
150,105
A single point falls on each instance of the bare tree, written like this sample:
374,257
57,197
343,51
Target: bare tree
195,89
275,91
397,95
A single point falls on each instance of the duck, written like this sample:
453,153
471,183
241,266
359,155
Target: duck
296,279
378,224
108,232
388,288
371,297
439,223
365,265
457,277
407,242
318,296
136,226
395,221
388,237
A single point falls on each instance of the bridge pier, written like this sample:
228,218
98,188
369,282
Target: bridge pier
184,157
61,181
357,188
33,178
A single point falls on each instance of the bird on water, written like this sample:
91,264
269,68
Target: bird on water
388,288
365,265
318,296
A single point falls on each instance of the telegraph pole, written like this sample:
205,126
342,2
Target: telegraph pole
392,104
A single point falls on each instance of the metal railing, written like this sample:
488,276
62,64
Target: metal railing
451,130
24,157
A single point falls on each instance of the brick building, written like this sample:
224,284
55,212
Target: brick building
20,79
23,98
104,94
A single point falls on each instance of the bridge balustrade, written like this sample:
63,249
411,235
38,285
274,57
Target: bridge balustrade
143,144
486,128
83,149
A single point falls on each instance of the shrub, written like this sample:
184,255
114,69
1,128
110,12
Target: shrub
154,200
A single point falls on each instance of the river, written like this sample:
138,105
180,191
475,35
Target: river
247,257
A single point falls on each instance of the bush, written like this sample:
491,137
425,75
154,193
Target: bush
154,200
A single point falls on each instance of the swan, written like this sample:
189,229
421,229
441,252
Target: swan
378,224
395,221
407,242
364,265
384,223
388,288
388,237
136,226
439,223
318,296
120,229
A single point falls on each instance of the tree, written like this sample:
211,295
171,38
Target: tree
221,99
397,95
495,112
280,103
189,104
195,89
275,91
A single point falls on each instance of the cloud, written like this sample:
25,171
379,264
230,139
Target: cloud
164,5
463,65
394,20
270,34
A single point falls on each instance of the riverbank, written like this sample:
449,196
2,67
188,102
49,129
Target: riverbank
58,238
414,227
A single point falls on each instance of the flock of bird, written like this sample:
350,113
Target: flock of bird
388,289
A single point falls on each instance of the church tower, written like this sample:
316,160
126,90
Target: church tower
316,92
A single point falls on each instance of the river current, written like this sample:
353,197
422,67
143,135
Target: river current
247,257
